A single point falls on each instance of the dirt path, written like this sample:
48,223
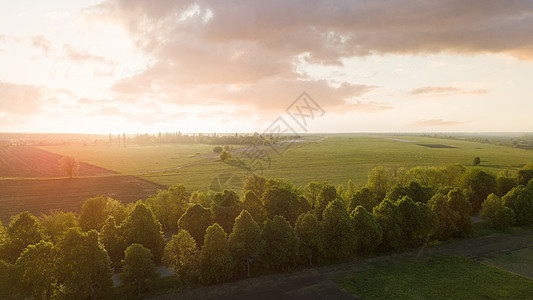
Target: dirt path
317,283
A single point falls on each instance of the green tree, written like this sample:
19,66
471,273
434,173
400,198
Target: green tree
217,149
367,231
225,155
282,201
55,224
69,165
520,200
169,205
226,198
418,222
281,243
226,207
254,183
23,230
254,206
389,217
477,185
85,267
93,213
477,161
413,190
338,230
326,195
350,189
245,240
311,190
215,263
141,227
201,198
380,179
8,281
2,233
195,221
37,269
448,218
504,183
524,175
116,209
181,254
496,214
429,220
111,237
462,207
365,198
310,232
138,267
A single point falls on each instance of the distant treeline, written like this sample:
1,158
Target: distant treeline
268,226
213,139
524,141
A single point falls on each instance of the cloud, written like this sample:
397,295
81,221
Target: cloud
329,32
69,52
275,94
108,111
248,52
436,123
445,91
26,100
80,56
368,107
40,42
21,99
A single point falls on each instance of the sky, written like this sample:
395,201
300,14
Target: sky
136,66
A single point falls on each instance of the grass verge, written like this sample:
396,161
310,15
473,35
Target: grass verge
436,277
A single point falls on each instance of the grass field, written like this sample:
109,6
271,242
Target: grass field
335,159
519,261
439,277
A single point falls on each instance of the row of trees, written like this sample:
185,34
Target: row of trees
273,226
211,139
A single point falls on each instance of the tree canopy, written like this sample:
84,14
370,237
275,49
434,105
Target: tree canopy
281,243
310,232
195,221
69,165
181,254
215,263
138,267
142,227
245,240
23,230
85,265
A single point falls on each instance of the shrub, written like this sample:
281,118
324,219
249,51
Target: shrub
496,214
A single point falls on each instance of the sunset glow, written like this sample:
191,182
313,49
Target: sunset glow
201,66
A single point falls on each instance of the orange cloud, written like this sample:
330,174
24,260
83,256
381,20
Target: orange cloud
436,123
21,99
42,43
445,91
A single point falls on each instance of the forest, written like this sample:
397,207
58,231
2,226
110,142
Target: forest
269,226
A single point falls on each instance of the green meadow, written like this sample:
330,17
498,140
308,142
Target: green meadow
335,159
443,277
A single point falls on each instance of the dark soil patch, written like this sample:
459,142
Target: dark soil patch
435,146
39,196
27,161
